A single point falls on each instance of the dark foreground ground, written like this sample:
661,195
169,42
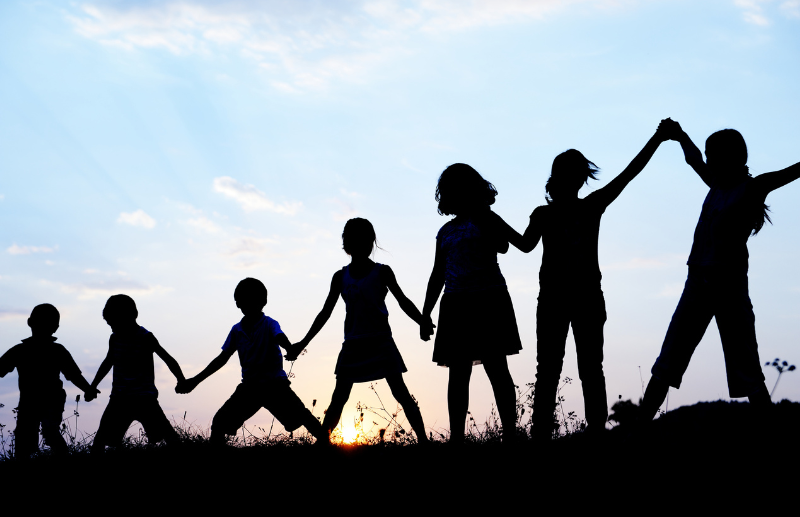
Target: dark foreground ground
713,457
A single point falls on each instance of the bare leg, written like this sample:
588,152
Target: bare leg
401,394
340,395
504,395
654,396
458,399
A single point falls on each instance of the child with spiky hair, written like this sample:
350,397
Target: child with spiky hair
40,361
258,339
133,391
569,281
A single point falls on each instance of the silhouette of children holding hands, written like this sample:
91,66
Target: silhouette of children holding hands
569,281
40,361
717,283
476,317
258,340
368,353
133,391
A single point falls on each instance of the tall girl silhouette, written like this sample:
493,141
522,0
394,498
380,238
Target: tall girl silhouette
476,318
717,283
368,352
569,282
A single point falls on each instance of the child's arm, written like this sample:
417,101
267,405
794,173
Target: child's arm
435,285
8,361
103,370
610,192
321,319
425,323
770,181
73,374
172,364
533,233
187,385
691,153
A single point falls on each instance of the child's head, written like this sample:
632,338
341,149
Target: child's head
726,155
462,189
358,238
251,296
571,170
44,319
120,311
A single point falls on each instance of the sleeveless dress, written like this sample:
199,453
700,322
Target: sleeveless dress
476,316
368,352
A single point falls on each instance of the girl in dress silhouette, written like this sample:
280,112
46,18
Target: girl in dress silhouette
476,317
368,352
569,282
717,284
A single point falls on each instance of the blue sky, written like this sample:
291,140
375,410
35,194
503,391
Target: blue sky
169,149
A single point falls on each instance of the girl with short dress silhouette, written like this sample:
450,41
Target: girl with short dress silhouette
569,282
476,317
717,283
368,352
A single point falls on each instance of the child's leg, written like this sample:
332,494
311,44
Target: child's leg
401,394
587,328
552,327
689,323
155,423
242,405
51,424
26,433
458,399
504,394
114,424
339,398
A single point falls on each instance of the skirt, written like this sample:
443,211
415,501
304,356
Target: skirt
369,359
475,326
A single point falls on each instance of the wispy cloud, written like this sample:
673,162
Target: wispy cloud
671,290
250,198
13,314
752,11
14,249
204,224
109,287
138,218
791,9
304,44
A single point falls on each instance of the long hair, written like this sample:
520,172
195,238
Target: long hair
730,152
570,170
461,189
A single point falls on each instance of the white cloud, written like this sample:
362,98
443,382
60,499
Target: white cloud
250,198
27,250
106,288
13,315
791,8
204,224
137,218
671,290
300,45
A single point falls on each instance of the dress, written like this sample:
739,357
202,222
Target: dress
368,353
476,316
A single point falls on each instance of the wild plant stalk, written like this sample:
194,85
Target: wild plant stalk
781,366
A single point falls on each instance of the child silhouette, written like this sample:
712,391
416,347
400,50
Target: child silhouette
40,361
258,340
133,391
717,283
476,317
569,282
368,352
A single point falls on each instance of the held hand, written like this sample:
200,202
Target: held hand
185,386
668,129
91,394
294,351
426,328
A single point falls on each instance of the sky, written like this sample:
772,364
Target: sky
168,149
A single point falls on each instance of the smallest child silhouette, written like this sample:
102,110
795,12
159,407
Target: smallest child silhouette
133,390
40,361
258,340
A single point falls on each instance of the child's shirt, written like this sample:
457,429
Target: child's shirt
725,224
259,353
365,299
470,257
132,357
39,363
570,233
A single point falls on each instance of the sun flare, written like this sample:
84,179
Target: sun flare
349,435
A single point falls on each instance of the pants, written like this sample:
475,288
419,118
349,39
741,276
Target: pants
721,294
275,396
48,412
585,310
120,413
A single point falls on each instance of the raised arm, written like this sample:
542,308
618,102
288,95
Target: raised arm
321,319
186,386
770,181
610,192
691,153
407,305
172,364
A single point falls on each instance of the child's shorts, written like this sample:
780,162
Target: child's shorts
276,396
369,359
122,410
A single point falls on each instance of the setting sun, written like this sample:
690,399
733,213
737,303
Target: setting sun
350,435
